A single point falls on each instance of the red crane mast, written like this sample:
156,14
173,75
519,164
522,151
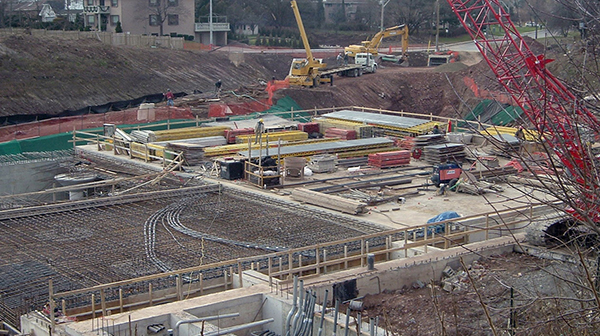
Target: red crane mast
550,107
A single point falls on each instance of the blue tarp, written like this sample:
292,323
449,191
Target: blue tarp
443,216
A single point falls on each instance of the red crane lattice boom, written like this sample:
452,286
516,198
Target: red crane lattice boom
547,103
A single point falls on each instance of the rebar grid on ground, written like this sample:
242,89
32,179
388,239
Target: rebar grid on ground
86,243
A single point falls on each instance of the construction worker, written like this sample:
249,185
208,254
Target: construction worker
259,129
169,96
436,130
218,88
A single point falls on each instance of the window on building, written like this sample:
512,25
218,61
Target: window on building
90,2
114,3
114,19
173,3
153,3
91,19
173,19
153,20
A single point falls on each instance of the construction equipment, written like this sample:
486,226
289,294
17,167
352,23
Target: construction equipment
372,46
446,173
555,112
311,71
307,71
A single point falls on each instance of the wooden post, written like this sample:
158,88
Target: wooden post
179,287
120,300
300,263
270,265
225,278
240,270
405,243
93,306
362,252
345,256
146,152
51,301
64,307
318,266
103,302
150,294
324,260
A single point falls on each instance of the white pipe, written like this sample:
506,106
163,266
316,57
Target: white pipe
208,318
237,328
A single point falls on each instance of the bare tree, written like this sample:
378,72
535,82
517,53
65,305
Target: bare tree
161,11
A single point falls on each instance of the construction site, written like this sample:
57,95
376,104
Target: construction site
367,204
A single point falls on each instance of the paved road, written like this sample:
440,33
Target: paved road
460,46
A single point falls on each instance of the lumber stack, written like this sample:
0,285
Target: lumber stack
143,136
329,201
444,153
428,140
389,159
309,127
274,136
190,132
341,133
505,144
193,154
232,134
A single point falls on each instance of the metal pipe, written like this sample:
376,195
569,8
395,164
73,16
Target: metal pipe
237,328
323,310
299,311
358,323
298,327
308,314
208,318
347,321
312,315
335,317
372,326
294,308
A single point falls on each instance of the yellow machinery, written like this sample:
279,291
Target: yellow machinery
306,72
372,46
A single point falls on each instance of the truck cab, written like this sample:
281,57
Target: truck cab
367,61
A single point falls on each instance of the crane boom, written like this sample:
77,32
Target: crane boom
547,103
302,31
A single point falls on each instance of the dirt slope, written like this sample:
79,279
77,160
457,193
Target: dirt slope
51,75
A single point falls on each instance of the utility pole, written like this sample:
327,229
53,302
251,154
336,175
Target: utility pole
382,7
437,25
210,24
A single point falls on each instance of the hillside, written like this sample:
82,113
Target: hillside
50,75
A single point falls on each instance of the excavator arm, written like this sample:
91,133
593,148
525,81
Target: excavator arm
372,45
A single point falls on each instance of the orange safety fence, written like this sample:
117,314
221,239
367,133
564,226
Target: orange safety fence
485,94
87,121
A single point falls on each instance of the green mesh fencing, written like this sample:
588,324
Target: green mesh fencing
284,108
485,111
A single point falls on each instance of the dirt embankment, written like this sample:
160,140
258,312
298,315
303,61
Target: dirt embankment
51,75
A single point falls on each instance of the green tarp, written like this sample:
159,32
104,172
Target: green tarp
62,141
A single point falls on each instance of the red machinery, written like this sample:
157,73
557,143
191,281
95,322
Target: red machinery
547,103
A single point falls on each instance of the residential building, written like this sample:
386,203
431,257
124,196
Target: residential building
154,17
334,7
143,17
61,8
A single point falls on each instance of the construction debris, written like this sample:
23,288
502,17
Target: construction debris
329,201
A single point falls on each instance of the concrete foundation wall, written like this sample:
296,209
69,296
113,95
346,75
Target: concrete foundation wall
29,177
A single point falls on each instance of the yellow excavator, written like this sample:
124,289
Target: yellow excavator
372,46
307,71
